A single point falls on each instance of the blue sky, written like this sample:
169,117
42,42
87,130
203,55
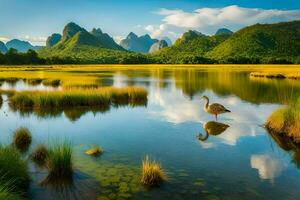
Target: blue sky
34,20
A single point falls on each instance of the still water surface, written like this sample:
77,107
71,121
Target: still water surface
242,162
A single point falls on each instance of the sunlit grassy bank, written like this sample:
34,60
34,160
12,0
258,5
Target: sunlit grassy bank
294,75
78,97
286,121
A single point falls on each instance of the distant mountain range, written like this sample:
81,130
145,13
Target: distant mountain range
19,45
135,43
158,46
257,43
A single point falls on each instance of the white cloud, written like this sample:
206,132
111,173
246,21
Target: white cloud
269,167
118,39
37,40
208,20
4,39
34,40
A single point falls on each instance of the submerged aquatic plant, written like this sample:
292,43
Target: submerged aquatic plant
40,155
13,168
79,97
152,173
59,163
286,121
22,139
95,151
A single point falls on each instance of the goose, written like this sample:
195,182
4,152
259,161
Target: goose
215,108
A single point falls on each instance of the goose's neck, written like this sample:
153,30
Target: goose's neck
206,103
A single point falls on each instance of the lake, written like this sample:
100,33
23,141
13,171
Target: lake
243,161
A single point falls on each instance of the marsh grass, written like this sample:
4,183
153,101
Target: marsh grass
152,173
7,191
79,97
59,164
22,139
275,75
34,81
7,92
40,155
286,121
10,80
13,168
51,82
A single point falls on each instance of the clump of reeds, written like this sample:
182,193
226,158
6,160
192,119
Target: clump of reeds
7,191
152,173
34,81
11,80
22,139
79,97
12,167
286,121
51,82
59,162
40,155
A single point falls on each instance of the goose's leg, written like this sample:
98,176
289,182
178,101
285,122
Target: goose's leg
216,115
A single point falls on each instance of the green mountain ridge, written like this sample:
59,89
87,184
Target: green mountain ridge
259,43
74,35
281,40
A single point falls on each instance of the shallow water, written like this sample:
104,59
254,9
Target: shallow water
243,162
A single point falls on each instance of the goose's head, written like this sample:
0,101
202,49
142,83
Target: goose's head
205,97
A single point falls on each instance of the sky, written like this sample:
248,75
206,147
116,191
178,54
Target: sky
35,20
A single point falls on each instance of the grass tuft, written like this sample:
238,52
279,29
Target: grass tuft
7,192
79,97
22,139
12,168
152,173
59,162
286,121
40,155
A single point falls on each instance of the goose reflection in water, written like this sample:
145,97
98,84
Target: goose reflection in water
212,128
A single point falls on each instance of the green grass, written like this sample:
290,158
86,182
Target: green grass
59,162
78,97
286,121
13,168
40,155
7,192
22,139
51,82
152,173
